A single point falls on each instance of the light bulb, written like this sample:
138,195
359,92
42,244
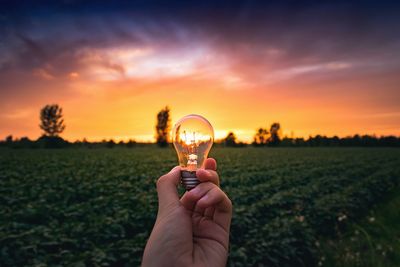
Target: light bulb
193,137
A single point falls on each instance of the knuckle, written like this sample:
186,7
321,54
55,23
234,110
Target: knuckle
216,192
230,206
229,202
211,185
227,199
213,173
227,206
215,176
161,180
216,180
206,187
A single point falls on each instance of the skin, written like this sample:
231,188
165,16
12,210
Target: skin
192,230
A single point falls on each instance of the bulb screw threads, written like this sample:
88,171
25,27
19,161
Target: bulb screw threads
189,179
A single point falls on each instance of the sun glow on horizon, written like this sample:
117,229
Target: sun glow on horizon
112,80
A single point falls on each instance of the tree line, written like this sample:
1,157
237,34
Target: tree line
272,137
52,124
313,141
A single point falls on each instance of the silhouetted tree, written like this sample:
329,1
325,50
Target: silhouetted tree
9,139
85,142
163,126
110,143
131,143
287,141
274,131
52,122
261,137
51,142
335,141
299,141
230,139
25,142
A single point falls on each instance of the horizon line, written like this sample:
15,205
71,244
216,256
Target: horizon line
219,140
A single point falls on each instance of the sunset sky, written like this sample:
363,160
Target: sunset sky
327,68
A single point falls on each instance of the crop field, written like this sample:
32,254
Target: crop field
96,207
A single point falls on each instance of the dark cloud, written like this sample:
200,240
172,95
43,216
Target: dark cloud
264,37
304,31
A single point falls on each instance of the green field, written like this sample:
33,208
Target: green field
96,207
373,241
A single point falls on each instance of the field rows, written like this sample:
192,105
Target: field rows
97,207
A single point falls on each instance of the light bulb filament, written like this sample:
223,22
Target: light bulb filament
191,146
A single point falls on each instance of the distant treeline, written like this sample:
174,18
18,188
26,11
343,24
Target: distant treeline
273,138
356,140
58,142
229,141
319,141
52,124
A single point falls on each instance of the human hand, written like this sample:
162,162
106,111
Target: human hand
192,230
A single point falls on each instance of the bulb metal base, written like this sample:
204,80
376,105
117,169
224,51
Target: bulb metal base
189,179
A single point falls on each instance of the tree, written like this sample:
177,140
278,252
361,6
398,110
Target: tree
230,139
52,122
275,133
9,139
110,143
261,137
131,143
163,126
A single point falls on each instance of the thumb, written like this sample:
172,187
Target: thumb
167,188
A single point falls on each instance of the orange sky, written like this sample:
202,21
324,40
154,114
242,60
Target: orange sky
114,90
125,107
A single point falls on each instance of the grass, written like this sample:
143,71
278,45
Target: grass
371,242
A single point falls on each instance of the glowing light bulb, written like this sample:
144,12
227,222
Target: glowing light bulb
193,137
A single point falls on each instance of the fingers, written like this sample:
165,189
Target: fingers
214,197
190,198
207,176
167,188
210,164
207,197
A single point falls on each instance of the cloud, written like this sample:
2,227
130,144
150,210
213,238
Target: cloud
43,73
280,51
73,75
262,37
277,38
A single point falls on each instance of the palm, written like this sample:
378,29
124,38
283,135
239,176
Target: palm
195,237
